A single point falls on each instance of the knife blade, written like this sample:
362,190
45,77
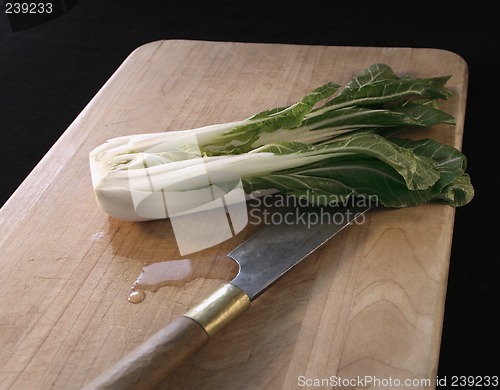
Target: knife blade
289,242
263,259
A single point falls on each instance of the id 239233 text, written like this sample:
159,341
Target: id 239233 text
28,8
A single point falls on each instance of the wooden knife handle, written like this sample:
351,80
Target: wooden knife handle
158,356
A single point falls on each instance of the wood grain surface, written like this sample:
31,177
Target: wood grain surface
368,304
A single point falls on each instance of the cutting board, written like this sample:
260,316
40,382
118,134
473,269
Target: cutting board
369,304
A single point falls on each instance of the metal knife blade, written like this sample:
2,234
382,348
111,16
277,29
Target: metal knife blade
276,248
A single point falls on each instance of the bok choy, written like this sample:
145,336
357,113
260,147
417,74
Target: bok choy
333,144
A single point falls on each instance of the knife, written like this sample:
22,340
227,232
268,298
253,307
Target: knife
263,259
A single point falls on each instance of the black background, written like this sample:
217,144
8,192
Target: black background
50,71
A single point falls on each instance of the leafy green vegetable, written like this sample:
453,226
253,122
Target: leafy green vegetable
332,144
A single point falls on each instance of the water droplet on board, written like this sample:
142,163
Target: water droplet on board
136,296
177,273
97,236
172,273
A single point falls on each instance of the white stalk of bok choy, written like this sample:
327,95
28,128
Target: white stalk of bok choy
333,144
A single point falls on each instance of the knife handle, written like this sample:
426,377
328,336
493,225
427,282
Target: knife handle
158,356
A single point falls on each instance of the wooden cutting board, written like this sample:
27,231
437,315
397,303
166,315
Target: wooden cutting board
369,304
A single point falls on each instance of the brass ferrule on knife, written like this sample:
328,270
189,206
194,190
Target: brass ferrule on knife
220,308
